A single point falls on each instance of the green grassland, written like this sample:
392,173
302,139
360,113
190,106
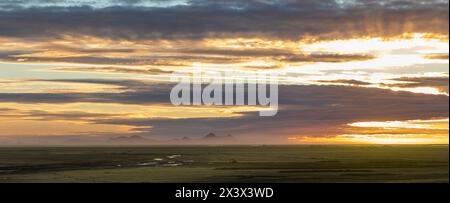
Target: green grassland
310,164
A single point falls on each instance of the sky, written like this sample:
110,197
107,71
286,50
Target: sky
353,71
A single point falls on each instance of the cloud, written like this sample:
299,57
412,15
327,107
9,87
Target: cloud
441,56
329,58
155,37
304,110
308,110
94,4
203,19
114,70
441,83
44,115
66,115
345,82
173,55
135,93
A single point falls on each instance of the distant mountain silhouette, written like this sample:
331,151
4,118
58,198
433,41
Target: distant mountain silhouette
134,139
210,138
210,135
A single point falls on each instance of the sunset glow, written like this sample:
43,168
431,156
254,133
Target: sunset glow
354,76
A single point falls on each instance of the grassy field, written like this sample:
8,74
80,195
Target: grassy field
314,164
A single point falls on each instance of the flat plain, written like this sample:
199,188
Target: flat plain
249,164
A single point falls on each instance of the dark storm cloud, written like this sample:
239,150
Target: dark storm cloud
199,19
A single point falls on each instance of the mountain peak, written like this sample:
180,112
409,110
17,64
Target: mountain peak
210,135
